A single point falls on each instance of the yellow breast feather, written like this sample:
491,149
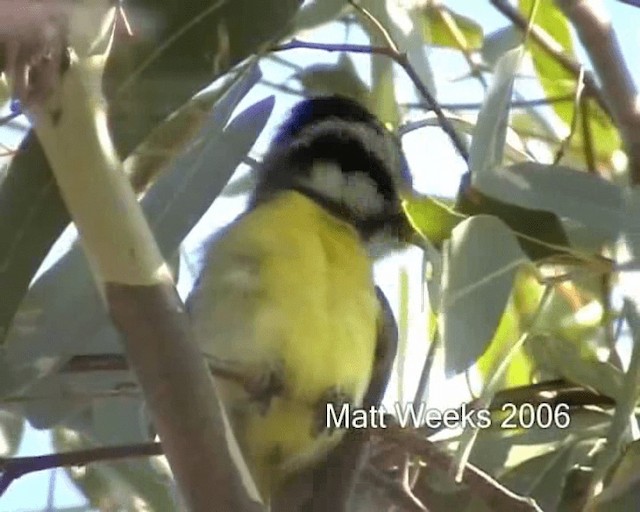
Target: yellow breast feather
288,287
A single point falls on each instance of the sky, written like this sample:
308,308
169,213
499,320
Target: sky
440,177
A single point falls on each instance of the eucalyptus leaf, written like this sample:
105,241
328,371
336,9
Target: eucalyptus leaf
446,28
591,207
487,145
496,44
541,478
383,94
622,491
555,79
147,77
480,265
317,13
434,218
564,358
340,78
412,39
11,433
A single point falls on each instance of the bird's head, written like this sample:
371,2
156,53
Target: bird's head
336,152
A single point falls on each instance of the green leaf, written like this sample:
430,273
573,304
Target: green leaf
340,78
605,137
496,446
578,364
481,261
444,27
148,77
434,218
32,215
542,477
489,135
543,229
556,80
383,95
5,94
498,43
622,492
554,77
507,333
152,74
594,206
11,432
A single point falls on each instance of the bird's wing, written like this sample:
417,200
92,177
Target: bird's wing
386,349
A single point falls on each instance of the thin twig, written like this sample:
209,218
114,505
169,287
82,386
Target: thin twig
394,490
13,468
461,43
494,494
426,368
574,118
379,26
599,40
282,88
587,138
246,377
538,102
402,60
9,117
128,390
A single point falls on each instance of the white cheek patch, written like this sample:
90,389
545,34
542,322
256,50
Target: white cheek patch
355,190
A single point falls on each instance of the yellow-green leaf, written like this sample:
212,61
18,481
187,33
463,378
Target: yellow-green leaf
520,367
340,78
433,218
555,79
443,27
383,95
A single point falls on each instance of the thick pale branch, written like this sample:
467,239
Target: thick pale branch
71,123
599,39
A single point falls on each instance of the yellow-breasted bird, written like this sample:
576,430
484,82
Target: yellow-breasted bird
286,296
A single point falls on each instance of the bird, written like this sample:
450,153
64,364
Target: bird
285,306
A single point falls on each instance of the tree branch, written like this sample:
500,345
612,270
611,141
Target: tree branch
513,105
599,39
493,493
550,45
14,468
68,114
